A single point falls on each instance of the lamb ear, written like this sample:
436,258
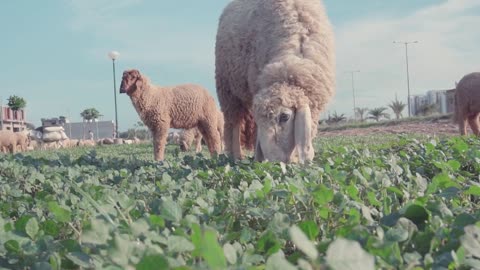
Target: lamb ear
303,134
139,83
258,156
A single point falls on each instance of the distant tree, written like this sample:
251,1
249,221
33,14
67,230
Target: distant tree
427,109
360,112
89,115
378,113
397,107
336,118
16,103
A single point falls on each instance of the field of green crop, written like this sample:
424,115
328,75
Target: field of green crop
364,203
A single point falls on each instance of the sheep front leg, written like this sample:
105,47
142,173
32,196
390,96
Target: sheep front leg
473,122
198,145
159,142
212,138
236,142
462,123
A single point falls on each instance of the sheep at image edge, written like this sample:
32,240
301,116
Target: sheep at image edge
275,59
183,107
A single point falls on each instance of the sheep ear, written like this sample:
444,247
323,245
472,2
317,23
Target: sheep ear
258,156
139,83
303,134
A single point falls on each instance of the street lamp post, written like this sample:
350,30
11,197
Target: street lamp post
408,75
114,55
353,92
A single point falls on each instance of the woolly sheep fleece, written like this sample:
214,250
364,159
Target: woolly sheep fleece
183,106
193,135
467,103
8,141
274,59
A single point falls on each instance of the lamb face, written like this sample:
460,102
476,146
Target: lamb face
131,81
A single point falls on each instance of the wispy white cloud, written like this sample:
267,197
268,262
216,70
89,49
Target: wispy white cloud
447,50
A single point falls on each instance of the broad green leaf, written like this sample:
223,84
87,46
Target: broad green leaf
230,253
55,261
310,228
324,212
323,195
343,254
60,214
417,214
81,259
471,240
157,221
170,210
196,238
212,252
454,164
152,262
277,261
31,228
268,243
303,243
42,266
21,223
98,234
50,227
352,192
12,246
179,244
473,190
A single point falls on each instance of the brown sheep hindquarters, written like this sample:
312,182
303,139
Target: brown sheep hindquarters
467,103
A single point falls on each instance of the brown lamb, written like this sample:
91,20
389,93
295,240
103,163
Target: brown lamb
162,107
467,103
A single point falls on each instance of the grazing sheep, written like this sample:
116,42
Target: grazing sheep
187,136
182,106
8,141
193,135
22,140
173,138
69,143
467,103
274,59
83,142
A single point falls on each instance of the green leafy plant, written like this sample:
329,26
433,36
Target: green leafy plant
366,202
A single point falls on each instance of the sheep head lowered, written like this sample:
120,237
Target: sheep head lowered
284,124
131,81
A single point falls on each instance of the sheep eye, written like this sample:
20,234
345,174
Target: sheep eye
284,118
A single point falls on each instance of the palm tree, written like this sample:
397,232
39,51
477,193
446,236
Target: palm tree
336,118
378,113
16,103
361,113
88,115
397,107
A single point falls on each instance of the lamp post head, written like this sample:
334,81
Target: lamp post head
113,55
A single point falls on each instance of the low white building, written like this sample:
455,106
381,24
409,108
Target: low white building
443,99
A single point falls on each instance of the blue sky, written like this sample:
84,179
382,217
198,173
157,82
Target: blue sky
54,53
